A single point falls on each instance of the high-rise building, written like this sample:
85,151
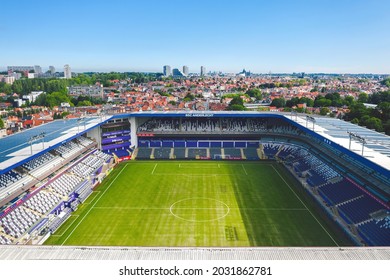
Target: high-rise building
167,70
52,70
202,70
177,73
67,72
185,70
37,70
20,68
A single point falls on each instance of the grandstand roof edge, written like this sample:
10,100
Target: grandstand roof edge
49,148
18,252
209,114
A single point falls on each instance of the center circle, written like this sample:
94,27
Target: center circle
199,209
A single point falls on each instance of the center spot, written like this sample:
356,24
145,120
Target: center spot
199,209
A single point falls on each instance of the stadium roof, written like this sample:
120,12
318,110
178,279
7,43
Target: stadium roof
376,149
162,253
16,148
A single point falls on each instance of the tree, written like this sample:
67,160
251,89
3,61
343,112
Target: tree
236,107
349,100
1,123
384,108
363,97
355,121
189,97
374,123
254,92
5,88
321,101
278,102
236,104
386,82
84,103
386,127
324,111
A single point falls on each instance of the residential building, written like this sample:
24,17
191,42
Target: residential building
203,71
8,79
67,72
37,70
185,70
92,91
20,68
32,96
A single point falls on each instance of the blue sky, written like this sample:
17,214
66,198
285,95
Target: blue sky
344,36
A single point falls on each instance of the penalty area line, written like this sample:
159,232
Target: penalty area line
288,185
59,235
86,214
154,168
243,167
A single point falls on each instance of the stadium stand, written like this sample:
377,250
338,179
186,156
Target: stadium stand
180,153
195,153
144,153
31,211
74,166
163,153
251,154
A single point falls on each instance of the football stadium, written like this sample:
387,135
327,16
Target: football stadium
195,179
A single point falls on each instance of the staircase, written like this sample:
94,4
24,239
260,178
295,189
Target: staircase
260,152
242,153
172,154
280,149
134,155
152,153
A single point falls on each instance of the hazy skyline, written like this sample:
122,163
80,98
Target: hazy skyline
331,36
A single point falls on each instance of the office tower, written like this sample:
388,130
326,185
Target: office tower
20,68
185,70
67,72
177,73
37,69
202,71
52,70
167,70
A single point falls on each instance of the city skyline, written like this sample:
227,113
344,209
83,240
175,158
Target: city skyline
280,37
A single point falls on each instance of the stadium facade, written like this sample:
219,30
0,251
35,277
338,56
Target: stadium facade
48,171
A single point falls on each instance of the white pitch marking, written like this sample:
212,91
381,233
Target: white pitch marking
305,206
154,168
243,167
66,239
59,235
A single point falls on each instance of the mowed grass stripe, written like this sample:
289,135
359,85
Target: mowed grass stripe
82,219
314,217
134,208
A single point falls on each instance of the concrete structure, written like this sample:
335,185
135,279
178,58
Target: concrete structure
8,79
177,73
32,96
20,68
93,91
32,75
167,70
202,70
67,72
185,70
37,69
52,70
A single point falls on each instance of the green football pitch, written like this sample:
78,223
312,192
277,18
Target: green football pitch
198,203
